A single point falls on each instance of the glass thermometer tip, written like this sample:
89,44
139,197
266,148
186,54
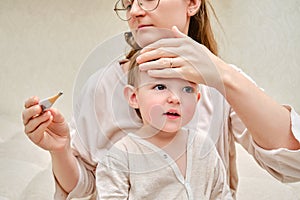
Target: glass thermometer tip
48,102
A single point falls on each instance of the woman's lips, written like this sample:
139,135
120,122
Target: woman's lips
144,26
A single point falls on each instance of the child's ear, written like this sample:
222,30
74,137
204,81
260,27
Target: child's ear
130,96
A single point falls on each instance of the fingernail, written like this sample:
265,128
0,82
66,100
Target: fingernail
142,68
48,113
138,59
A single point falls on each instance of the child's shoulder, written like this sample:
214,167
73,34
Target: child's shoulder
120,149
127,143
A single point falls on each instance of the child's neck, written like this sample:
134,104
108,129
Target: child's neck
159,138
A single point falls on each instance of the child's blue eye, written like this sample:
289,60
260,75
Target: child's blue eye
160,87
188,89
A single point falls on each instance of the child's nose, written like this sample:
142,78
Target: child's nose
173,98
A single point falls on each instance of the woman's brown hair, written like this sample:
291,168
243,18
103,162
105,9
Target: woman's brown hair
200,28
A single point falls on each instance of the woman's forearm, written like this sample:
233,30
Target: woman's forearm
268,122
64,166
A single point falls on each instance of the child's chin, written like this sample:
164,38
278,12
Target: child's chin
171,129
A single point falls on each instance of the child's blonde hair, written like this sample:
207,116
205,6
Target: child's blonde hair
134,75
133,71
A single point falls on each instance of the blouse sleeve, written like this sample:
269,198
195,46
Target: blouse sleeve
221,189
112,177
295,124
82,126
85,187
281,163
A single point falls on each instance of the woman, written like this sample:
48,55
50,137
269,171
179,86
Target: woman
232,107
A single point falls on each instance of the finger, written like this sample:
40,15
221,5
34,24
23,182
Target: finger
178,33
156,64
174,42
31,101
162,63
37,135
147,49
34,123
150,55
155,54
165,42
57,116
30,113
167,73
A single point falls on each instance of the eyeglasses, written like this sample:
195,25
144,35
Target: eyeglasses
123,7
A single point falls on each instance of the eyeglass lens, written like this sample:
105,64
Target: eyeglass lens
122,7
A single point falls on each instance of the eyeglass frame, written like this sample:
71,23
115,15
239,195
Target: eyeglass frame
124,9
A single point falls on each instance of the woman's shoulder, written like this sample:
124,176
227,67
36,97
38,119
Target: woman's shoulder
103,73
100,79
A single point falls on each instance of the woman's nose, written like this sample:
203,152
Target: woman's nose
136,9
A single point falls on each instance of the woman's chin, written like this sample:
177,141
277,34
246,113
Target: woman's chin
149,34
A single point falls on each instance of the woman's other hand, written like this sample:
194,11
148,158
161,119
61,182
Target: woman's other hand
47,129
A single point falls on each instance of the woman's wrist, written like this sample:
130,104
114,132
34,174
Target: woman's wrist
224,77
65,168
